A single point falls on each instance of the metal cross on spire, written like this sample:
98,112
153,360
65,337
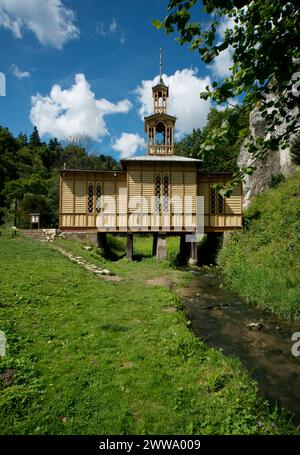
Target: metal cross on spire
160,63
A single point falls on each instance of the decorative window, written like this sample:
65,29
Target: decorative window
166,193
212,201
162,193
220,204
98,197
157,193
216,202
90,197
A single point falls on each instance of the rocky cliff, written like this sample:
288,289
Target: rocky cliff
274,164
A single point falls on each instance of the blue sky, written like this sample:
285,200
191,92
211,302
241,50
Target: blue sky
112,47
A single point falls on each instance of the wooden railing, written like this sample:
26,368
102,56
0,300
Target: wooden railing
160,149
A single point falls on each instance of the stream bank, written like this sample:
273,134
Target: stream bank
259,339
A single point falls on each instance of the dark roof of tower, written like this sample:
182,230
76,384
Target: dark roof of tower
160,84
160,115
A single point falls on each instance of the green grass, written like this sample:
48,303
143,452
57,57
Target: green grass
145,266
262,263
96,357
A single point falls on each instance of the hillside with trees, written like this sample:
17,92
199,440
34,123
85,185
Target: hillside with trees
29,177
228,128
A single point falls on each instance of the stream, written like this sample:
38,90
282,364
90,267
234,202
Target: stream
223,321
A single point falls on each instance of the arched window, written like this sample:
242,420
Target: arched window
98,197
220,204
216,202
162,193
157,193
90,197
160,134
166,193
160,99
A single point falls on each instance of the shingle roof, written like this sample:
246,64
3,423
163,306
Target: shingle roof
171,158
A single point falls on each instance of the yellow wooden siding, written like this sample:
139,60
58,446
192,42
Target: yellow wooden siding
233,204
121,197
134,184
203,190
177,192
190,192
148,191
67,197
109,188
67,220
134,190
231,218
80,220
80,196
141,182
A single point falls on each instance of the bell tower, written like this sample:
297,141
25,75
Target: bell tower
160,126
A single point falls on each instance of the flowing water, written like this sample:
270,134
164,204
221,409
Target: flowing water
259,339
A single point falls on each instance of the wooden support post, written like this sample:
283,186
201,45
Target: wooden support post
154,244
129,247
161,250
193,259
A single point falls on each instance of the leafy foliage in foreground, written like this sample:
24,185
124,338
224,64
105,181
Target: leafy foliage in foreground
263,38
91,357
262,263
223,156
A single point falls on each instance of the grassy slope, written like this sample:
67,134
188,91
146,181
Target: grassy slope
91,356
263,262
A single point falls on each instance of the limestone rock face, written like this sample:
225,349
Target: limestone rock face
275,163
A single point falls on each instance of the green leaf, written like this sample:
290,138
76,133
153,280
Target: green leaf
157,23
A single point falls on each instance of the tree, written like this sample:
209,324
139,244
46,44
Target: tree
29,179
223,156
34,140
8,170
263,37
80,140
51,154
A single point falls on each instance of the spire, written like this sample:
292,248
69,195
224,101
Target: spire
160,65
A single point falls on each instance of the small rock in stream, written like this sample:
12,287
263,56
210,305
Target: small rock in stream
255,326
223,306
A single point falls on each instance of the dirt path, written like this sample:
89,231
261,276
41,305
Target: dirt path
262,341
79,260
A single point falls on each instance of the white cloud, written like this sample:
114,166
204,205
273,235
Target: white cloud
221,64
104,31
18,73
123,37
184,102
128,144
225,23
50,21
113,29
113,26
101,30
74,111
